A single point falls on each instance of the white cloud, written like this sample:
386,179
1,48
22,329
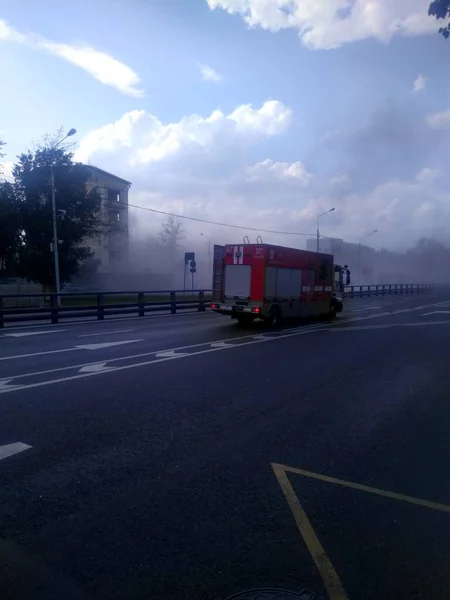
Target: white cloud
150,141
6,170
110,137
9,34
338,180
100,65
324,24
268,170
215,167
427,175
209,74
419,83
439,120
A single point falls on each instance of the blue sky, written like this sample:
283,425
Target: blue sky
344,127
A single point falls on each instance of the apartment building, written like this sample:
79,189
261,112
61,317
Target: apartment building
112,250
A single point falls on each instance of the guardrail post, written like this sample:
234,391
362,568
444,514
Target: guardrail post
141,304
173,302
201,301
54,309
360,291
100,307
1,312
352,292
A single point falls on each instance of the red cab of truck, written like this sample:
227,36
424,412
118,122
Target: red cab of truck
262,281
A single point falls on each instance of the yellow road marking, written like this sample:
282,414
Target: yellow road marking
364,488
327,572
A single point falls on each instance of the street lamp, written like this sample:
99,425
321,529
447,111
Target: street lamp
55,228
318,234
359,250
209,250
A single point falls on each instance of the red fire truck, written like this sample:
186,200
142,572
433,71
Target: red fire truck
261,281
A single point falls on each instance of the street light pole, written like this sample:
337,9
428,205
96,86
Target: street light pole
359,251
55,225
318,233
55,236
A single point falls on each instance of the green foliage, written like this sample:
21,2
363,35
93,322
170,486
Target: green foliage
26,216
10,231
77,209
441,10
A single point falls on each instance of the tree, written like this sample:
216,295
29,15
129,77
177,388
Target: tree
79,216
1,155
10,231
170,236
441,10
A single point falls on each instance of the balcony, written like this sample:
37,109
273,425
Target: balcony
114,200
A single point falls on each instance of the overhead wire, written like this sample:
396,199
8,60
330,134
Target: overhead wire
208,222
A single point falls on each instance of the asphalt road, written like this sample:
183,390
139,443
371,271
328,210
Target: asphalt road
192,459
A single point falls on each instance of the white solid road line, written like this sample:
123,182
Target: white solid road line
106,333
153,352
436,312
75,348
28,333
106,345
155,361
366,309
11,449
93,321
389,325
223,344
37,354
335,326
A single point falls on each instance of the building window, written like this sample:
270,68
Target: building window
113,195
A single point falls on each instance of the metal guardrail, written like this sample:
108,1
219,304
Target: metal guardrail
57,307
361,291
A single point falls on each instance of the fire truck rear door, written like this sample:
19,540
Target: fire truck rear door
219,253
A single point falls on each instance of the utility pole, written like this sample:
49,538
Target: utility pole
55,225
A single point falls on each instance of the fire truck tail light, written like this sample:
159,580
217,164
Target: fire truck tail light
213,306
256,310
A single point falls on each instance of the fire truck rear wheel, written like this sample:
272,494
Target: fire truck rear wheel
274,318
333,312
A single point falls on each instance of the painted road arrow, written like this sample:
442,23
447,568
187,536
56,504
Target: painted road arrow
28,333
5,384
106,345
95,368
11,449
170,354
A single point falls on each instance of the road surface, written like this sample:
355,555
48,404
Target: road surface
184,457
